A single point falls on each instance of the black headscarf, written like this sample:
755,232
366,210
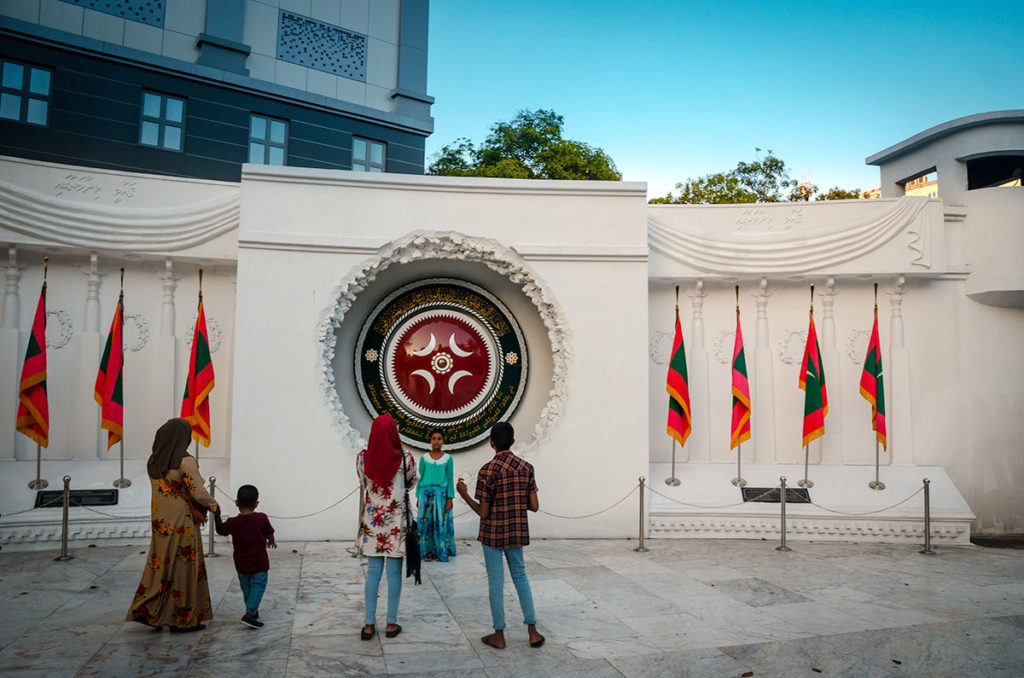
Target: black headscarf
169,446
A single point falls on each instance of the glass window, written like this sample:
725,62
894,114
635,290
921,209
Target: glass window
25,93
268,140
163,121
368,155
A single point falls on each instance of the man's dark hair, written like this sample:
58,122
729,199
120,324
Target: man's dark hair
247,496
435,430
503,435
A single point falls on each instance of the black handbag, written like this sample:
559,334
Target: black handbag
412,535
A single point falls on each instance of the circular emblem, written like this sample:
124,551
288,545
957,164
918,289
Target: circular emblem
441,353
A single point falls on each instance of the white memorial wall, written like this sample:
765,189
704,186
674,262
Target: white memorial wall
295,259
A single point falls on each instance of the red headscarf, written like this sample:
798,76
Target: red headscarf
383,453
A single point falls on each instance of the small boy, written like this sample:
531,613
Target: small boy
251,534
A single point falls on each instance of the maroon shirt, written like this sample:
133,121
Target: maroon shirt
249,534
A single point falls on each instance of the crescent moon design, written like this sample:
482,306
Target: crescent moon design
428,376
428,350
454,378
455,347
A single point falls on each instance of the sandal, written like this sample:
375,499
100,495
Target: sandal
368,635
392,632
538,642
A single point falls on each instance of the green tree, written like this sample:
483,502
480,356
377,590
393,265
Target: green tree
836,193
530,146
763,180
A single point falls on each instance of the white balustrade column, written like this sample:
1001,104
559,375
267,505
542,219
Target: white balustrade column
700,403
898,415
164,394
11,353
84,433
763,404
832,442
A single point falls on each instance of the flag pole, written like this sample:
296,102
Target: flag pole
807,448
738,481
194,338
876,484
672,480
122,482
39,483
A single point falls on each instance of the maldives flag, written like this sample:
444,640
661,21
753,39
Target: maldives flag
740,391
194,405
109,392
679,422
33,407
812,381
871,386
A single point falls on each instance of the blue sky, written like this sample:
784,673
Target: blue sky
672,90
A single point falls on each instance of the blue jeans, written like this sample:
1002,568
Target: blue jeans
496,583
253,586
373,573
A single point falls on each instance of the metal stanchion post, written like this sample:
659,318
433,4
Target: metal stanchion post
927,520
641,548
38,483
782,504
210,552
64,522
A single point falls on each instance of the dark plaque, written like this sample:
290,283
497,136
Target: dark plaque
55,498
441,353
770,495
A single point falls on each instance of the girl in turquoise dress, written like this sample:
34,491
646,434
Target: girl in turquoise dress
435,492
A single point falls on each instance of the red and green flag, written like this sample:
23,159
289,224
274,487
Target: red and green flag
33,417
740,391
109,391
812,381
679,421
871,386
195,405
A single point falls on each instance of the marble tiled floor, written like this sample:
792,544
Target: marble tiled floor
685,608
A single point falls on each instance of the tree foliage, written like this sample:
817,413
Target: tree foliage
530,146
763,180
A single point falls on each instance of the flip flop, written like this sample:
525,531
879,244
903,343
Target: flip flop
367,635
537,643
394,632
486,640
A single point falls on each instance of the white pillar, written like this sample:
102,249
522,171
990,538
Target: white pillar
700,403
164,396
11,355
84,421
898,417
763,405
832,441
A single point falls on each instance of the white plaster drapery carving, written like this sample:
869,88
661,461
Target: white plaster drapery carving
783,251
420,245
138,229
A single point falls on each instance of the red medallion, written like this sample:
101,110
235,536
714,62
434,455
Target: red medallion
441,363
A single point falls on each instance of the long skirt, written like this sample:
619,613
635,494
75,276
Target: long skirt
437,530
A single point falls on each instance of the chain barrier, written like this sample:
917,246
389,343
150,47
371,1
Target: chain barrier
595,513
868,513
75,502
723,506
305,515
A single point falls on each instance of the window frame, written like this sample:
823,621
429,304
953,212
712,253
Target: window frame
162,121
267,142
25,93
365,163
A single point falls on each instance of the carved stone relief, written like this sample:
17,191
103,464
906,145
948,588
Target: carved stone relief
790,351
58,329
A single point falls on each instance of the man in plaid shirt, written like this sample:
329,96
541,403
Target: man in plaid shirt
505,491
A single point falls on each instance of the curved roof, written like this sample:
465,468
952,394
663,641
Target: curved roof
943,130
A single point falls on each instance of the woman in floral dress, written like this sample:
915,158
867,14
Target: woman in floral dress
435,492
174,591
385,471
